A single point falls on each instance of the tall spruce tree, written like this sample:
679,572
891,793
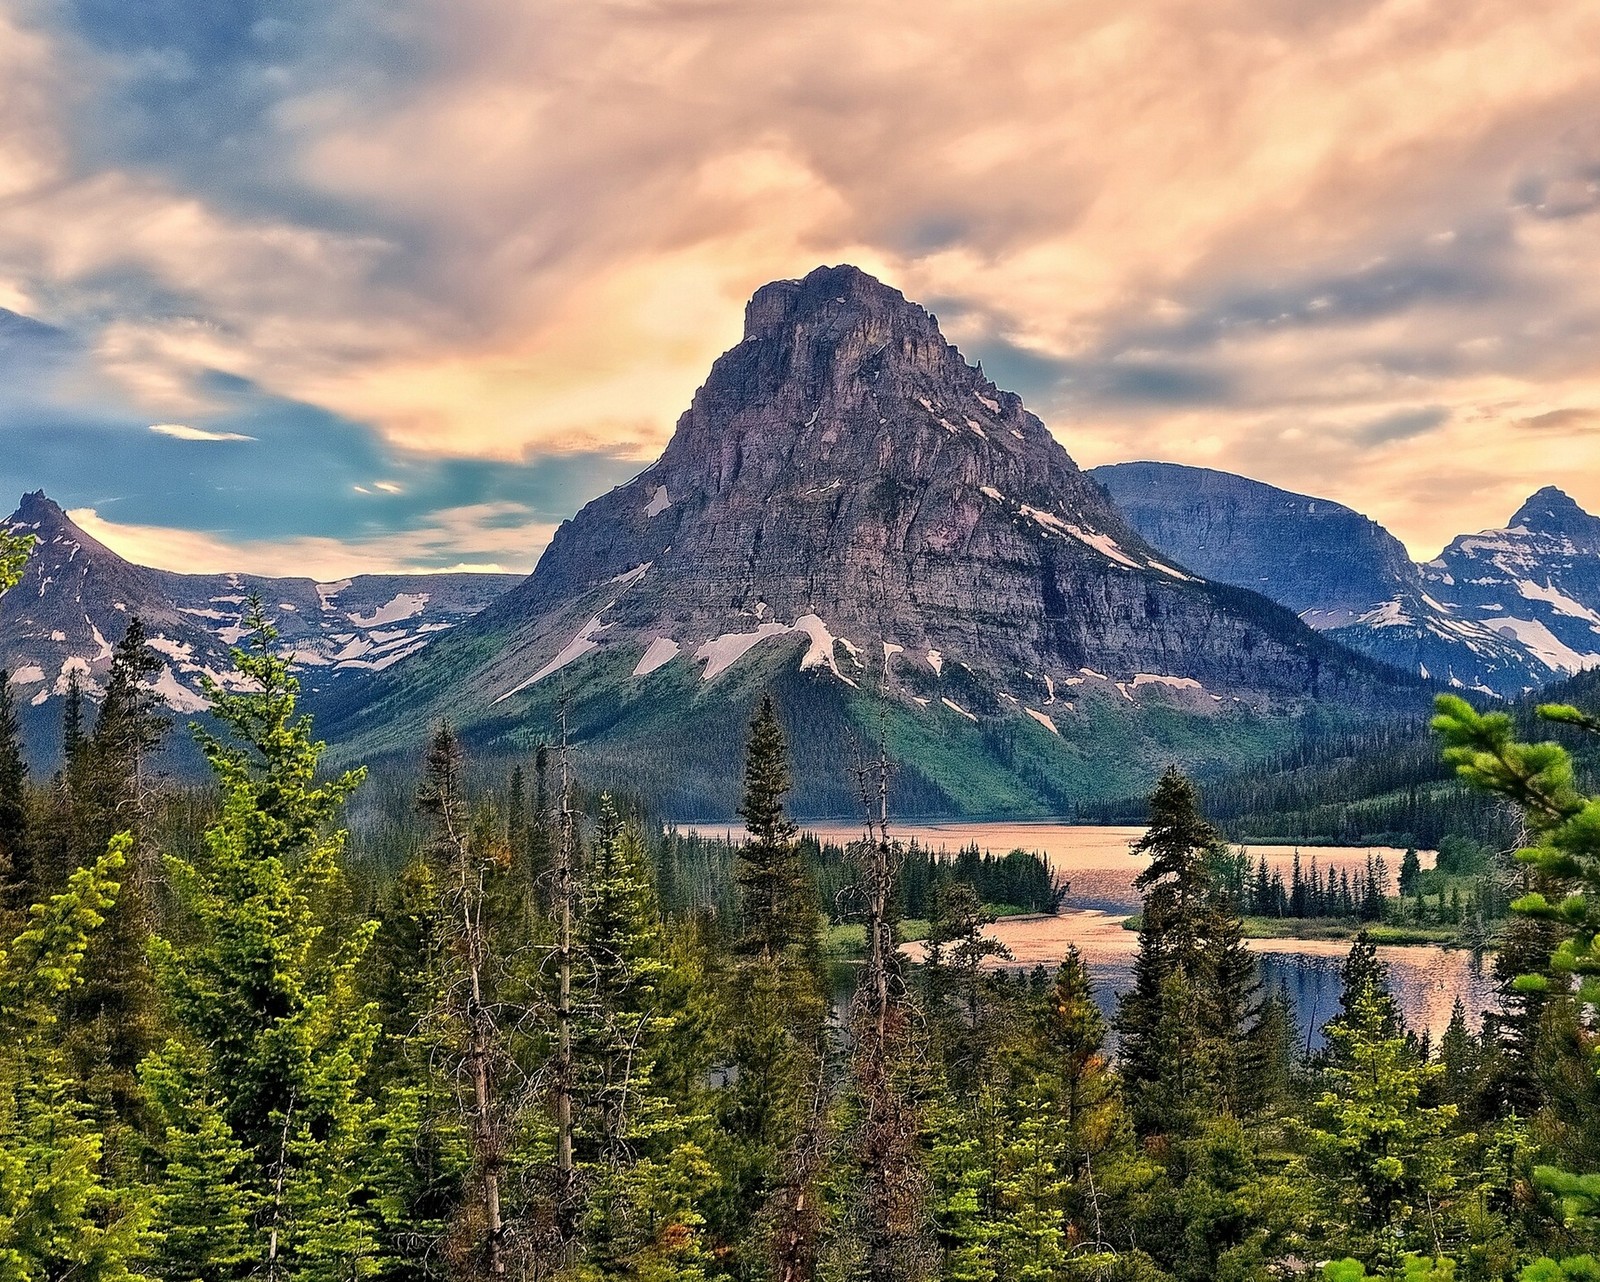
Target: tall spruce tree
645,1174
1184,1021
265,1136
776,907
59,1216
16,863
1385,1161
466,1012
113,1015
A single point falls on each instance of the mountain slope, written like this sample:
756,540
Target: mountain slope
1490,614
1535,583
76,597
852,510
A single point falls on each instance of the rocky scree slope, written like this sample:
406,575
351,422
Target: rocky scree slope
848,500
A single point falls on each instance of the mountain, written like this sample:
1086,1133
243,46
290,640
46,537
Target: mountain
1500,612
1535,583
76,597
852,513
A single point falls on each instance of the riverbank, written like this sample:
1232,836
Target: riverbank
1342,930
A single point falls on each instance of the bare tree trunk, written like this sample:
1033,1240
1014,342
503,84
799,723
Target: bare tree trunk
481,1038
894,1200
564,888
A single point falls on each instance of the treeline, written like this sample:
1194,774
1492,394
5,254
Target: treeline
1380,785
542,1048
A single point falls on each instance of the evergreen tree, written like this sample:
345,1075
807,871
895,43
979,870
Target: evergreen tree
775,1110
957,999
1385,1160
776,910
263,1125
1460,1058
16,870
464,1016
1565,860
59,1218
113,1016
644,1172
1410,870
1184,1021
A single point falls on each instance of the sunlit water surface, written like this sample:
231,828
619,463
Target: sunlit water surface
1097,864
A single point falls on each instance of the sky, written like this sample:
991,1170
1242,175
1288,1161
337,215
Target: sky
331,286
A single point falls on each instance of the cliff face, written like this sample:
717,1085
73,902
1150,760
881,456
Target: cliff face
1502,612
848,497
1326,562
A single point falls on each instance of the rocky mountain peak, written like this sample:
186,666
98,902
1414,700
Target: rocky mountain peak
848,504
56,532
1553,511
840,297
839,378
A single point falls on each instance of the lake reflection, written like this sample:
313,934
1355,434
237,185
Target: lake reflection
1096,862
1424,980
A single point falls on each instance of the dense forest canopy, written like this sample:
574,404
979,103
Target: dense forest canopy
541,1037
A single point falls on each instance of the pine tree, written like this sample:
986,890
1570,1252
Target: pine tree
645,1174
957,1004
1271,1051
58,1216
258,1093
113,1015
1459,1056
1410,870
470,1036
1386,1161
776,908
16,864
1031,1243
1184,1020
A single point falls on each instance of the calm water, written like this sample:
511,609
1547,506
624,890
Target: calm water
1097,864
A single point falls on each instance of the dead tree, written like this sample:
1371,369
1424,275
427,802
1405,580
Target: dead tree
465,1000
563,897
894,1200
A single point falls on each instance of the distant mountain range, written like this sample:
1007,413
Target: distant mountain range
851,513
1502,611
77,595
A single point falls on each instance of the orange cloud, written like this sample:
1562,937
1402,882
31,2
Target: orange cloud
568,208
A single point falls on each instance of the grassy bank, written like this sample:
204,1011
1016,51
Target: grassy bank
848,940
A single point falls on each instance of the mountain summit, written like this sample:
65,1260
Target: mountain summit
1501,611
77,595
851,511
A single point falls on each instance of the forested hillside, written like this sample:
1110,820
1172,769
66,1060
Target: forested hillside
515,1032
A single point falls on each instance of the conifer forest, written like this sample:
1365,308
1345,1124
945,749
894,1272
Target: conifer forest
521,1031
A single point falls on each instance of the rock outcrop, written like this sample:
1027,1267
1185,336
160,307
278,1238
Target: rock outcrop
1501,612
848,497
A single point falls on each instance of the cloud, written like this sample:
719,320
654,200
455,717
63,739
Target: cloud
507,539
181,432
1403,425
1257,233
1568,417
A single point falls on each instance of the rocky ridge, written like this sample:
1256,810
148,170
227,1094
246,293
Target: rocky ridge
76,597
1501,612
849,498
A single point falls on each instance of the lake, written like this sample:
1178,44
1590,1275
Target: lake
1097,864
